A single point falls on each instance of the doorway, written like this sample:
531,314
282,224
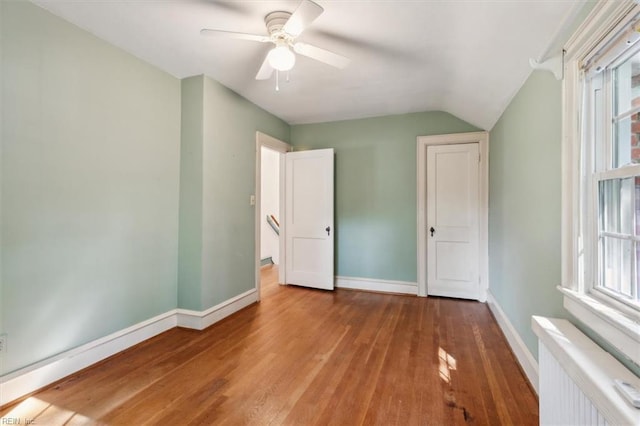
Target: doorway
269,208
303,224
269,204
453,215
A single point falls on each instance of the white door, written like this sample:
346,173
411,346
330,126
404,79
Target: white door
309,218
453,221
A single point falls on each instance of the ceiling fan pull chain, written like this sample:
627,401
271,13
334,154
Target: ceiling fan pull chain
288,74
277,81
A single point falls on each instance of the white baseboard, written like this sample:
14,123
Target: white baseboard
199,320
522,353
29,379
384,286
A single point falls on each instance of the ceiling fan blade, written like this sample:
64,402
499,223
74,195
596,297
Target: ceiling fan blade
306,13
265,71
231,34
321,55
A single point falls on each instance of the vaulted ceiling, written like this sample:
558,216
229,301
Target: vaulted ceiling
465,57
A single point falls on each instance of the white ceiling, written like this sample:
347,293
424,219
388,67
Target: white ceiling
467,58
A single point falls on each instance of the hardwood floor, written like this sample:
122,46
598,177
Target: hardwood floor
306,357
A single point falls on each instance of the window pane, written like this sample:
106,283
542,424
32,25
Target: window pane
617,265
626,148
627,132
619,212
619,236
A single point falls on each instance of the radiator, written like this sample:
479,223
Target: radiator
561,400
576,379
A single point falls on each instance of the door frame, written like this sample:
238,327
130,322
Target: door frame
264,140
482,139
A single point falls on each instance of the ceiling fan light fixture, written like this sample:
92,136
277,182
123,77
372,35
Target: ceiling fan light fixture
281,58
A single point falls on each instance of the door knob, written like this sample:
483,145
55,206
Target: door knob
432,231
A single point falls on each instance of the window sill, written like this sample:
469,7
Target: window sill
621,331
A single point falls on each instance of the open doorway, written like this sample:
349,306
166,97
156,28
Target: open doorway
269,209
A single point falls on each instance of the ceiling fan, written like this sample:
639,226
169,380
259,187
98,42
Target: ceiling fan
283,29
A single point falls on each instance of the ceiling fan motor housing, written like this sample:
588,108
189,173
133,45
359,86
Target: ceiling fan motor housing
275,21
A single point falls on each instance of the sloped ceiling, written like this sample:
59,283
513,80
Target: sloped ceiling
467,58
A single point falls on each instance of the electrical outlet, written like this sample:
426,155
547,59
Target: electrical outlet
3,343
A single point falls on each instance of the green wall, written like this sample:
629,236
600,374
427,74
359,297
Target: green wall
524,205
2,102
190,235
125,192
525,211
89,174
217,234
525,208
375,180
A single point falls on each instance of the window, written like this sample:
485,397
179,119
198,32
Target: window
601,167
611,168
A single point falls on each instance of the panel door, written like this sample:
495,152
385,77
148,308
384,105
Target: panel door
309,218
453,221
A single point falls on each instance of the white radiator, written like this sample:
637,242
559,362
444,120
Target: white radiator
561,400
576,379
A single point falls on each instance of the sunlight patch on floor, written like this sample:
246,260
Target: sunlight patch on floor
447,363
27,410
37,412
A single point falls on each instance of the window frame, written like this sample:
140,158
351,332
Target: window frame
616,322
